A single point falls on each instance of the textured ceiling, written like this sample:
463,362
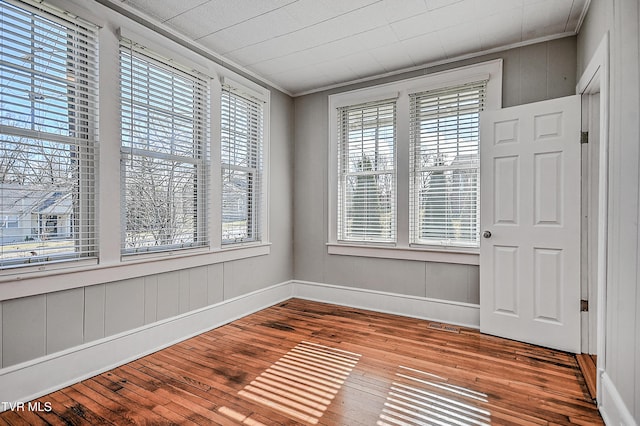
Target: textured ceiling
303,45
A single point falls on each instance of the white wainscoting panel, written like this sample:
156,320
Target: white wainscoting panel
32,379
35,378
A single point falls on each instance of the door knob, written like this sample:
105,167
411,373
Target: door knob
486,234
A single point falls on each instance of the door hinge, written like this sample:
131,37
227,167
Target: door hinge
584,306
584,137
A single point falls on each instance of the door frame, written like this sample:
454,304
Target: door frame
595,79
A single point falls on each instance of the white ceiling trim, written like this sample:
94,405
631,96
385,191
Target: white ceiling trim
157,26
583,14
438,63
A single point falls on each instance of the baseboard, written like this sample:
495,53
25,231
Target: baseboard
458,313
613,409
33,379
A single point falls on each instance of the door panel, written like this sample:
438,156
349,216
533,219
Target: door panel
548,188
506,272
505,190
530,204
547,285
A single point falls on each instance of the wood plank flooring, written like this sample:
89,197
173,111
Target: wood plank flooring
304,362
587,364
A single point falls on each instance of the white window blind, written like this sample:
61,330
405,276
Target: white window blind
445,161
242,168
164,112
367,172
48,143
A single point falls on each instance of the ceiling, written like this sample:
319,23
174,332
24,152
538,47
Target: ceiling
303,45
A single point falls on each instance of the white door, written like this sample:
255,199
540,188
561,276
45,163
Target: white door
530,218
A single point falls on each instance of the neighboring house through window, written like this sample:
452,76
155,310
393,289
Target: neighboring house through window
48,149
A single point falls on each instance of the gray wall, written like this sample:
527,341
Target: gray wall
594,27
622,361
532,73
35,326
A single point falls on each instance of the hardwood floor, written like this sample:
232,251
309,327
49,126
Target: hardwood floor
304,362
587,364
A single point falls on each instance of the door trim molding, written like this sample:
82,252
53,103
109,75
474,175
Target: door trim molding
596,75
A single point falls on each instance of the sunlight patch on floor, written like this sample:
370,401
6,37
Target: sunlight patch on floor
239,417
303,382
417,397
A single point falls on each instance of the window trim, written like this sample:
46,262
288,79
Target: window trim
418,143
344,174
63,276
254,171
199,158
247,88
421,253
218,75
86,104
403,249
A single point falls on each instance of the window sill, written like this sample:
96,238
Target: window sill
223,254
424,254
46,278
19,272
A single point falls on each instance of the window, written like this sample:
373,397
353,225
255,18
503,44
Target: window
164,113
48,146
366,169
404,166
445,165
242,167
10,221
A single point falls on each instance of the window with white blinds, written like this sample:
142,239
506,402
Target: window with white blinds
367,172
444,162
164,113
242,168
48,143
